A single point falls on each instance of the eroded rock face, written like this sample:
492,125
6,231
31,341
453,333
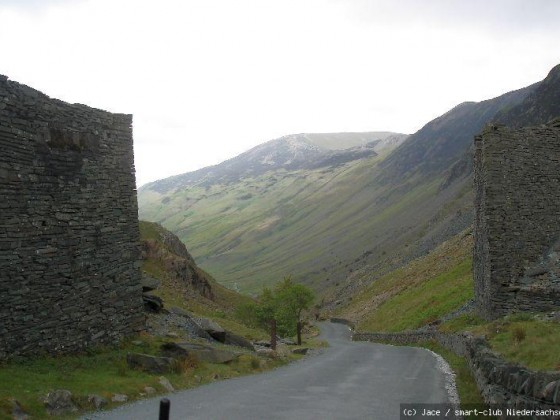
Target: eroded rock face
176,260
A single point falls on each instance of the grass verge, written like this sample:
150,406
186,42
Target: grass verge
466,385
527,339
104,371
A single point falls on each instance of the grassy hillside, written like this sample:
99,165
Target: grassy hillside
418,293
324,224
317,225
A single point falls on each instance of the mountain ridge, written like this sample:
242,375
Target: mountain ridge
336,227
291,152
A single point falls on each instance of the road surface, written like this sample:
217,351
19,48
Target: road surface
348,380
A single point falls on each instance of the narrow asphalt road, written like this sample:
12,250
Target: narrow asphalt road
348,380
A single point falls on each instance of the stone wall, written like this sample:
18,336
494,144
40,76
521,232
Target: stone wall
517,213
69,270
500,382
343,321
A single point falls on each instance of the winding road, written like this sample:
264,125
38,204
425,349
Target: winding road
348,380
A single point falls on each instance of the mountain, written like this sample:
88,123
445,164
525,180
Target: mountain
437,145
440,281
540,106
293,152
337,226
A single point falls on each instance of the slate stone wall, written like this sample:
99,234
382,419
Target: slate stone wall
69,237
517,219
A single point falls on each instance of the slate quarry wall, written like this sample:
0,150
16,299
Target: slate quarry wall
517,219
69,237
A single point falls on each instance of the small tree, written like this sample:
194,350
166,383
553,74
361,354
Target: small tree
258,314
285,303
291,299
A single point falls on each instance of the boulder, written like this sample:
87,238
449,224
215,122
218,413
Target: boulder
199,331
97,401
149,283
121,398
164,382
59,403
152,303
200,352
267,353
149,390
179,311
237,340
148,363
213,329
18,413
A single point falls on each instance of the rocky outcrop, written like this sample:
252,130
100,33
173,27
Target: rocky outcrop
236,340
148,363
200,352
212,329
169,252
149,283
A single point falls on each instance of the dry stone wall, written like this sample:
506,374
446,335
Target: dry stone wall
69,238
517,219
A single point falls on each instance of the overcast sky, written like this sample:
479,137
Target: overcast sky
209,79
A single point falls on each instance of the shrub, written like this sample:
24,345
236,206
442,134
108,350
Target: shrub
255,362
184,364
518,333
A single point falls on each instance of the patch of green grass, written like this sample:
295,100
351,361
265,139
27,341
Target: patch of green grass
149,230
422,303
522,338
529,342
463,322
104,372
